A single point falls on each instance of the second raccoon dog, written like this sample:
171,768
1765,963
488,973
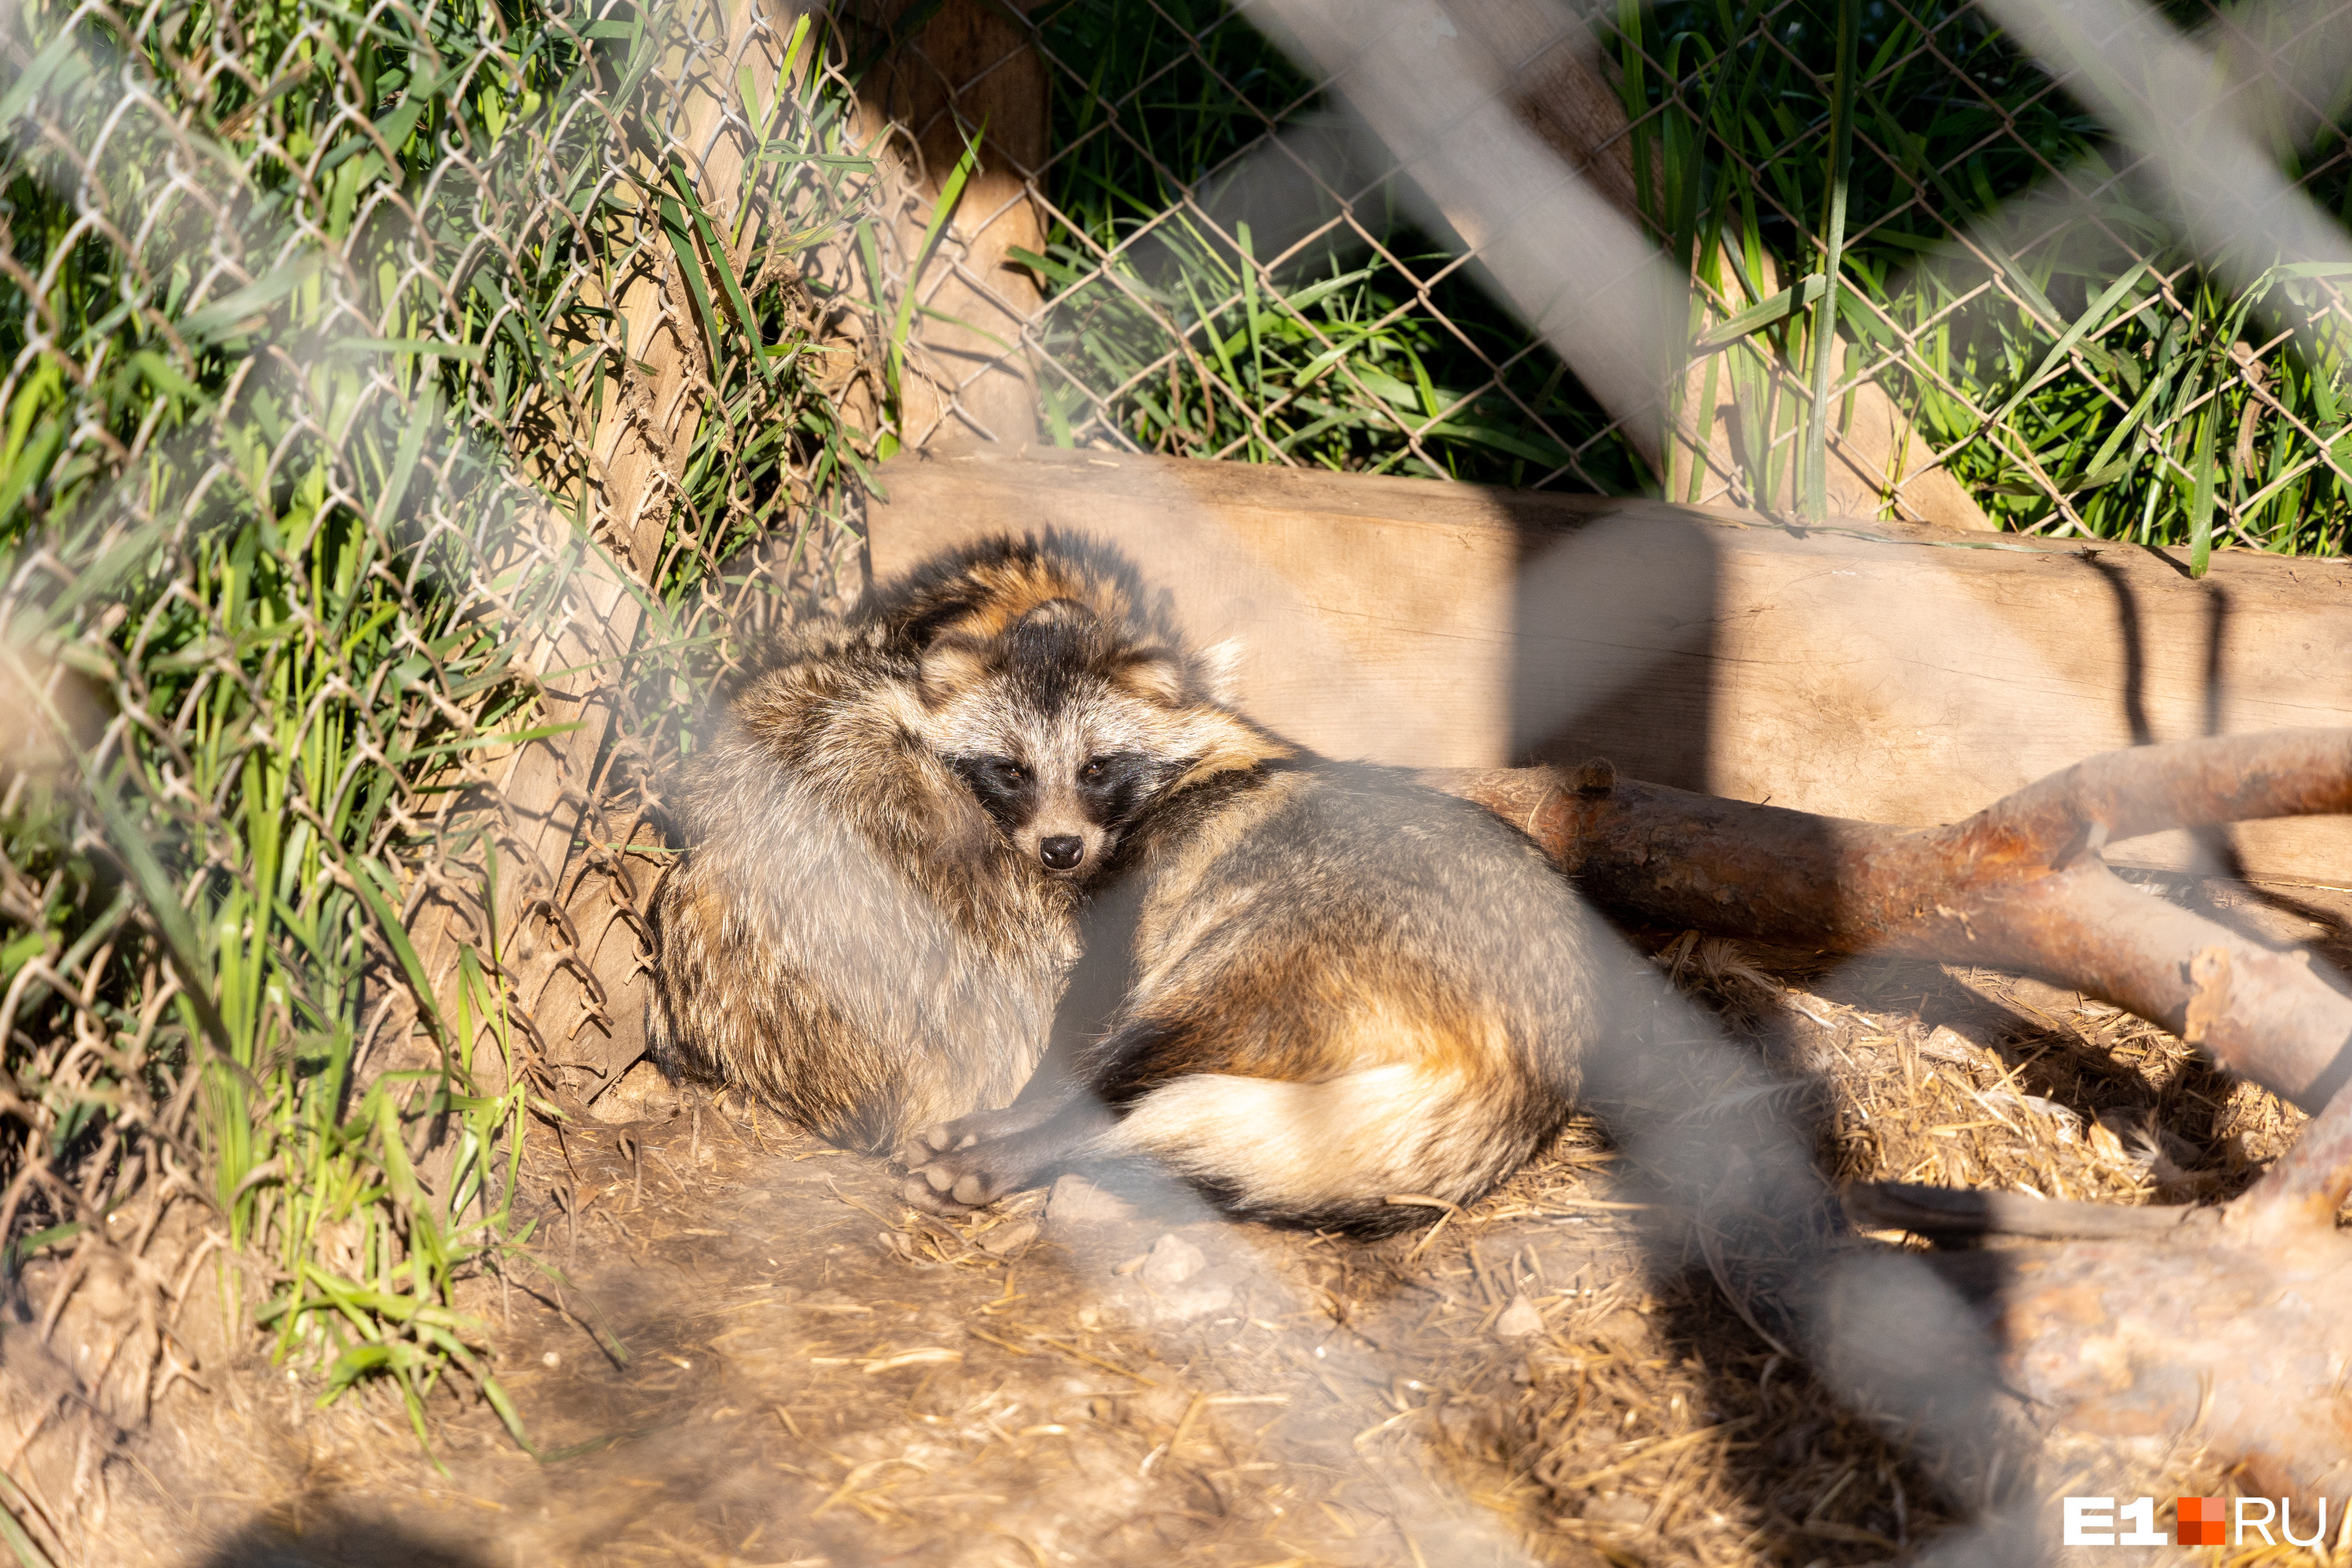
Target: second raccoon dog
1333,985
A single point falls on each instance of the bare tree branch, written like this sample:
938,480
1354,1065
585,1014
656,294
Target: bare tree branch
2221,1327
2230,1335
2019,885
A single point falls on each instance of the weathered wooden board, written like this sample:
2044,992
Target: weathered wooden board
1869,669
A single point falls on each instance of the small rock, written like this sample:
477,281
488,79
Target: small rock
642,1095
1077,1201
1628,1329
1616,1508
1519,1320
1009,1238
1945,1044
1210,1292
1172,1261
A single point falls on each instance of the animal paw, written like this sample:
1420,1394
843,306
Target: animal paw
967,1163
958,1180
966,1131
932,1142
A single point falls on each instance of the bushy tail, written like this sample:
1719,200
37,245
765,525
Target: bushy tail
1329,1154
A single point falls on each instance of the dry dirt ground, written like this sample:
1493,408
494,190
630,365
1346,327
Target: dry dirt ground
764,1359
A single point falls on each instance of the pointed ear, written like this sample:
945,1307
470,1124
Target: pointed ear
1224,743
1155,675
951,666
1220,664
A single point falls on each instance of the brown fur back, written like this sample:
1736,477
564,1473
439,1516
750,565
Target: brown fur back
977,592
1345,986
845,936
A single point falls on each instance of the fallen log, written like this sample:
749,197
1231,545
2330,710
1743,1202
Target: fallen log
2230,1335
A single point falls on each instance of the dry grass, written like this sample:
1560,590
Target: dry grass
816,1375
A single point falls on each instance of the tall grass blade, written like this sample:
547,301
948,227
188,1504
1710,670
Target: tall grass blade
1814,489
2201,494
21,1544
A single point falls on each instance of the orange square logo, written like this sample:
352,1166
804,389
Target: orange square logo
2201,1521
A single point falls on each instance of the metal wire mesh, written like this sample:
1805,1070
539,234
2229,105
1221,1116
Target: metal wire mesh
1226,273
403,406
406,406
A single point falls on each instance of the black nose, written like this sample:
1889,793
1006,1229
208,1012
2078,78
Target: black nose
1062,853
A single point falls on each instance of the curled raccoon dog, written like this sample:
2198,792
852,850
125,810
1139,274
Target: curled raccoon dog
1325,987
871,921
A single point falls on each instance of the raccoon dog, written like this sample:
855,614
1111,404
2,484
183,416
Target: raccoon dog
1330,986
875,915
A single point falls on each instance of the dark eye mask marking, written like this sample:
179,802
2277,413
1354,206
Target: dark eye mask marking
1122,783
1003,786
1113,788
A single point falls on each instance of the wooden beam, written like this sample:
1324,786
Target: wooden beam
964,74
1871,670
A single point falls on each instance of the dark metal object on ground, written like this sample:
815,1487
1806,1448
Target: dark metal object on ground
1957,1214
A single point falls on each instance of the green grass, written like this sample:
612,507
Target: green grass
2080,390
2117,415
1161,334
273,517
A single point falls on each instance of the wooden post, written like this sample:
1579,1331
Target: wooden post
557,965
967,77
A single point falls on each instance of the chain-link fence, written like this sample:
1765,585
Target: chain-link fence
1228,269
404,407
402,404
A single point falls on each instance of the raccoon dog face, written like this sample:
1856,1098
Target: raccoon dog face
1064,733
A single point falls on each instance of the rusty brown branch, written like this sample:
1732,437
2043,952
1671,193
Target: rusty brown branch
2313,1179
2020,886
2225,1329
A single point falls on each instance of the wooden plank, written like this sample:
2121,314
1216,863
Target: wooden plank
967,74
1873,670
